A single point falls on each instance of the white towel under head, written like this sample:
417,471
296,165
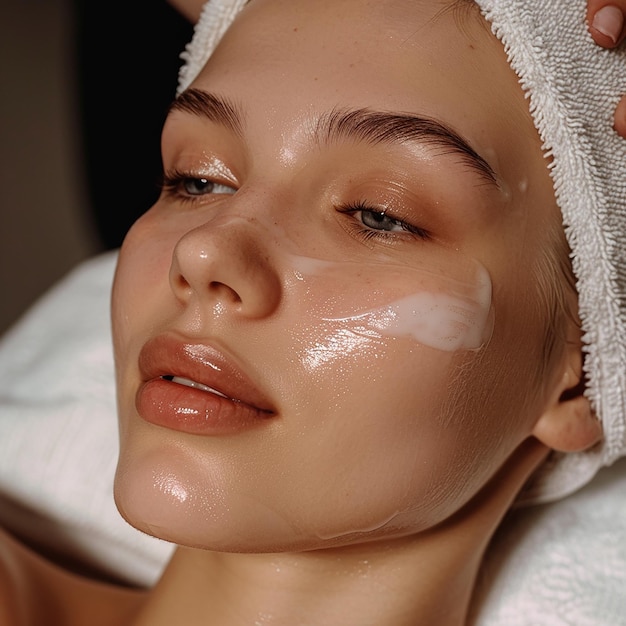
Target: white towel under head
573,86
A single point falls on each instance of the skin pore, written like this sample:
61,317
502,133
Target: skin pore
358,451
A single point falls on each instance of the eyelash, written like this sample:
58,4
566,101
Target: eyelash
368,232
173,181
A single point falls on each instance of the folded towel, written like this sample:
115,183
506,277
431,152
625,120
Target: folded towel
215,18
573,87
561,563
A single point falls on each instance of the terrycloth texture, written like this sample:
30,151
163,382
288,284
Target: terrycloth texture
216,17
558,564
573,86
58,430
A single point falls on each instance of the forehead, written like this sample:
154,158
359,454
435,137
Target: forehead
297,58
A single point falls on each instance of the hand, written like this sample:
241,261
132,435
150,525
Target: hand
607,25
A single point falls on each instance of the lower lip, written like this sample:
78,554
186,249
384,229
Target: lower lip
194,411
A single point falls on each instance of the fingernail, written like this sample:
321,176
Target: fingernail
609,20
619,119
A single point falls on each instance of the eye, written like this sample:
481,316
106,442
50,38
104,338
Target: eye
381,224
380,221
186,186
203,186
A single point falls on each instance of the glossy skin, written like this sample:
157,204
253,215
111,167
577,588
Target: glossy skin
385,437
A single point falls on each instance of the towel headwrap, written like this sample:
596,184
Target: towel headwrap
573,86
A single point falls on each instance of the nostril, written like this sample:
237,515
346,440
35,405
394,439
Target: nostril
181,283
224,291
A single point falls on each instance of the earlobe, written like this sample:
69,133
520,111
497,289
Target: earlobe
568,424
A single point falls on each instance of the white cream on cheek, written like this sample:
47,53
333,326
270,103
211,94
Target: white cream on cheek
440,310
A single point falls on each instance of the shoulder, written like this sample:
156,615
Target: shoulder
34,590
14,583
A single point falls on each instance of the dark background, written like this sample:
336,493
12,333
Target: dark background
126,72
84,89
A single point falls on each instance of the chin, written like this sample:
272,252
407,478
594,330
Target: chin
236,523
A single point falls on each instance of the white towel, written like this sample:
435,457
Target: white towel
561,563
573,87
58,431
215,18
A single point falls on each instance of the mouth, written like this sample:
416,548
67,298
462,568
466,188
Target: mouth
187,382
195,388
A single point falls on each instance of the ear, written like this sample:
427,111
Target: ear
568,423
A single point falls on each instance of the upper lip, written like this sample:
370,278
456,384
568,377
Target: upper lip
166,355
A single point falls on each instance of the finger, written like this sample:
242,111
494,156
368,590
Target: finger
620,118
607,21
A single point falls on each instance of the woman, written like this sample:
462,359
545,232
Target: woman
345,336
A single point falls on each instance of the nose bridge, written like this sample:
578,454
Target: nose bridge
227,260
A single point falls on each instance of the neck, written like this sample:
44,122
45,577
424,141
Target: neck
317,588
426,578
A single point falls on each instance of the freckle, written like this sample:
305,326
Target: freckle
295,30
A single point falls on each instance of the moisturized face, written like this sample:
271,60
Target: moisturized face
327,329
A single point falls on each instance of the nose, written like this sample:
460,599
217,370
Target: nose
226,263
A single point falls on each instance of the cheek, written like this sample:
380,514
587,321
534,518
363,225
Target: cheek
141,276
392,439
403,421
139,294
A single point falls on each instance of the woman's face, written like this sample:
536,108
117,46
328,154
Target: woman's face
327,329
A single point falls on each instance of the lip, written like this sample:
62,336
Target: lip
237,403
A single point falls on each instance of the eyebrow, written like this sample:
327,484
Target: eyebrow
365,125
376,127
215,108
